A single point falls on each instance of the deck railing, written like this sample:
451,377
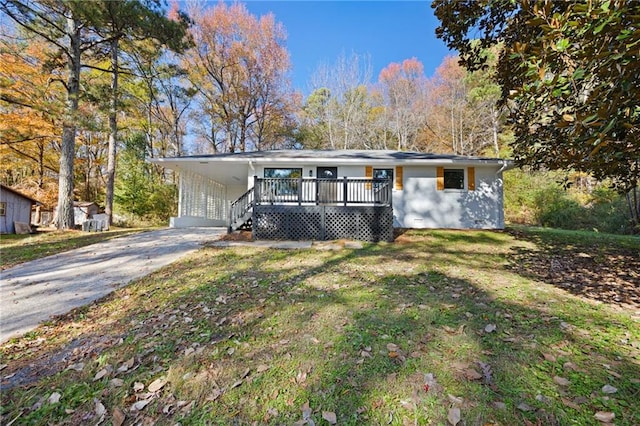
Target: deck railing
345,191
239,208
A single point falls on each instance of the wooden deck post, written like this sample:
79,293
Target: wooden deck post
345,190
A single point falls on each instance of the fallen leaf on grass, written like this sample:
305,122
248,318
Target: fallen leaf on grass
138,387
117,417
139,405
561,381
471,374
455,399
156,385
54,398
330,417
76,367
609,389
570,403
116,383
126,365
549,357
605,416
490,328
100,410
262,368
100,374
570,366
524,407
454,416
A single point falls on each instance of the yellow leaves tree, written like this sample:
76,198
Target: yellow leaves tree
30,102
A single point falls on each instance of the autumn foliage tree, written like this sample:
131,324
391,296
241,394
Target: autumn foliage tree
238,65
404,88
30,105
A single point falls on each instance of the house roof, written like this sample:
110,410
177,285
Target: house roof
349,155
232,168
6,188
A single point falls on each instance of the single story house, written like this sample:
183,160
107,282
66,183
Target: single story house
14,208
329,194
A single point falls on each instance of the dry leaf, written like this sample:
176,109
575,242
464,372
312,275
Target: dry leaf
117,417
301,377
609,389
392,347
54,398
570,366
76,367
236,384
570,403
139,405
454,416
472,374
330,417
126,365
561,381
549,357
306,411
156,385
116,383
605,416
524,407
455,399
138,387
100,410
100,374
490,328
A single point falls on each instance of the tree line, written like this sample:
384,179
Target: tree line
83,84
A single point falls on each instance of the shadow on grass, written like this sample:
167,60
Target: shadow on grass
354,332
606,270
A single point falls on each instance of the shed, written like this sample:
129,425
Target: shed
15,207
83,211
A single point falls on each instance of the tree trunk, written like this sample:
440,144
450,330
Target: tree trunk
67,152
113,133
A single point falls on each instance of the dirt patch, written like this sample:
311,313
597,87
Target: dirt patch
237,236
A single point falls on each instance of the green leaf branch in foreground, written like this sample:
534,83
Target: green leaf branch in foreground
569,73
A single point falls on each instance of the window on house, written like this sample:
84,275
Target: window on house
3,209
286,188
282,173
383,174
453,178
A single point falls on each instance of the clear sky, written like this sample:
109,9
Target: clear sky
318,32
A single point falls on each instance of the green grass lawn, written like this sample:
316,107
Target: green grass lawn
15,249
527,326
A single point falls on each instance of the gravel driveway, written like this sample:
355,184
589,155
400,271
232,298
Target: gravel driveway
34,291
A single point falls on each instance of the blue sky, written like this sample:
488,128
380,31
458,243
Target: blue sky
318,32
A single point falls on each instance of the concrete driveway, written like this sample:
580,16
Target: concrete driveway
32,292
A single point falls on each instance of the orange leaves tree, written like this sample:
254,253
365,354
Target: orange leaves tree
238,65
30,104
404,89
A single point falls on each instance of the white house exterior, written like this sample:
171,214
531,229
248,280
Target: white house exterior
429,190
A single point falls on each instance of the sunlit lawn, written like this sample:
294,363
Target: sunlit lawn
438,325
16,249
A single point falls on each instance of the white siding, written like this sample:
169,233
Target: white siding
421,205
203,198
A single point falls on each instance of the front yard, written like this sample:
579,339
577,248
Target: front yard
441,327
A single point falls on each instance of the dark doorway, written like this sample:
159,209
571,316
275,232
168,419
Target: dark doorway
327,188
